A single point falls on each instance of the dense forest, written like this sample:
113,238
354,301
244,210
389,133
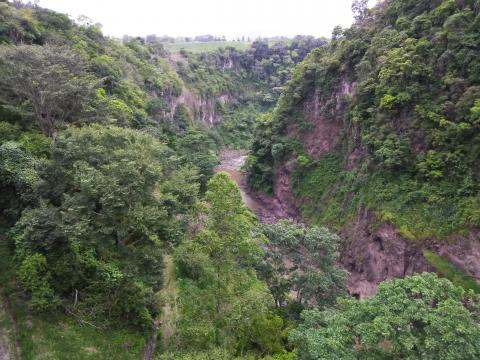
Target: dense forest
120,239
397,94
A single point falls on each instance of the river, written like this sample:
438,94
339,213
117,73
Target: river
269,209
231,161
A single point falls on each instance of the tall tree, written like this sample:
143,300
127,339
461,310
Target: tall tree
49,81
218,267
111,198
302,259
360,9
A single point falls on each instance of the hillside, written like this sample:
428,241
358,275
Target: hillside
106,151
377,136
300,199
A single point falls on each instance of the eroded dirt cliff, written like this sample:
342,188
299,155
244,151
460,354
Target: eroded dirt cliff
202,108
373,250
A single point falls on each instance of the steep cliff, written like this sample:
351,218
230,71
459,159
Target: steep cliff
378,137
202,108
226,89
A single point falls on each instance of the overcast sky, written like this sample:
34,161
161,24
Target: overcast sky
232,18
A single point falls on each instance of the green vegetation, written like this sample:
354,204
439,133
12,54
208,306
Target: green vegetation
411,119
202,47
419,317
117,240
315,181
220,354
89,210
104,173
235,129
56,335
56,93
451,272
8,331
222,300
303,261
196,47
237,86
63,337
116,186
418,210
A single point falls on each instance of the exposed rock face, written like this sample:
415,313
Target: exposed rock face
283,190
373,251
374,255
324,116
203,108
325,132
370,255
282,205
321,138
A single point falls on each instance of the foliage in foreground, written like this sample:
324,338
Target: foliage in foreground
220,354
110,198
302,260
222,301
101,203
419,317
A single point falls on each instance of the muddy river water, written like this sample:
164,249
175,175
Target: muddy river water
231,161
269,209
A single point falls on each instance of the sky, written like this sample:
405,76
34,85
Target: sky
232,18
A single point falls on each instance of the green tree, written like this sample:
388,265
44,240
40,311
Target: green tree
360,9
35,277
18,180
419,317
111,198
49,81
197,148
217,267
302,259
17,26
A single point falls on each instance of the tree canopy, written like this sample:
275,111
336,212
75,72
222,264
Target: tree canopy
223,301
302,260
50,81
418,317
116,234
110,200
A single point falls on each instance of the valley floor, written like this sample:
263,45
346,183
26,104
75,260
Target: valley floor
268,209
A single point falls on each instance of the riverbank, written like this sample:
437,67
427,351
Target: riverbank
268,209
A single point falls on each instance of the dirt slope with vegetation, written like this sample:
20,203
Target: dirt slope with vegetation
377,136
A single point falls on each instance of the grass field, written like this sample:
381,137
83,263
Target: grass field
198,47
